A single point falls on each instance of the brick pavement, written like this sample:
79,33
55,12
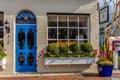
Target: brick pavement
115,76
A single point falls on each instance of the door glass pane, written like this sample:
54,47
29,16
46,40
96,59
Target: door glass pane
30,39
26,17
21,59
52,21
30,59
73,22
52,33
21,39
62,33
62,21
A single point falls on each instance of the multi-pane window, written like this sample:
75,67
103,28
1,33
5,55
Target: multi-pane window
68,28
1,28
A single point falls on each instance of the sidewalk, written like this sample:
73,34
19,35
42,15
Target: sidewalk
61,76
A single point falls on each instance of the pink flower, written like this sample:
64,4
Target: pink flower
3,49
95,50
42,52
103,54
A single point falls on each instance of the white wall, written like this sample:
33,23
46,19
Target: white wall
40,8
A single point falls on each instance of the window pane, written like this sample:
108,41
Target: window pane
83,33
52,33
73,33
73,41
52,41
62,33
73,22
1,32
82,41
1,18
62,21
83,21
62,42
52,21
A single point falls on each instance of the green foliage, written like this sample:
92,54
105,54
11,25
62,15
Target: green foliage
0,47
2,53
119,60
101,48
52,48
86,47
64,49
74,48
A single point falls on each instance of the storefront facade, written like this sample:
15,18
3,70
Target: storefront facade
35,24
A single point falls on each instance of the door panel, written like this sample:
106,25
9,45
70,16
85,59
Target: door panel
25,47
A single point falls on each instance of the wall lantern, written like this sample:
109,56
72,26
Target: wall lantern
7,26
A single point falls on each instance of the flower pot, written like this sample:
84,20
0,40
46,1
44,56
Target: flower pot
69,60
105,70
3,62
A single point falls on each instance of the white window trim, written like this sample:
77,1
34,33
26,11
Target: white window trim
57,27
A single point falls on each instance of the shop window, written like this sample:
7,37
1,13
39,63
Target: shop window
68,28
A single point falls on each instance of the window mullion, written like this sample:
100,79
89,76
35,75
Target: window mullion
68,29
78,30
57,28
88,30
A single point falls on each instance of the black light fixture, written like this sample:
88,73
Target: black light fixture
7,26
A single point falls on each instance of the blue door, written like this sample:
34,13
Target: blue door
25,42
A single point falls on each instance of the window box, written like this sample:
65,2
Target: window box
69,61
3,62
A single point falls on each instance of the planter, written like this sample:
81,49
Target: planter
66,60
3,62
105,71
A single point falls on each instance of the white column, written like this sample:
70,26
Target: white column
115,59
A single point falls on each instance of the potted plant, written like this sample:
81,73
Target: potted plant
69,54
2,57
105,66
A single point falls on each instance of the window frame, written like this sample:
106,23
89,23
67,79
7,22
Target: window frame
68,15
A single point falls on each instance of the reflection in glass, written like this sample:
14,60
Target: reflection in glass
83,20
1,18
76,41
25,17
1,32
83,32
52,21
21,59
62,33
73,33
82,41
1,42
52,41
30,59
73,22
30,39
52,33
21,39
62,21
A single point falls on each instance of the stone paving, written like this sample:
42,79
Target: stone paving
61,76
